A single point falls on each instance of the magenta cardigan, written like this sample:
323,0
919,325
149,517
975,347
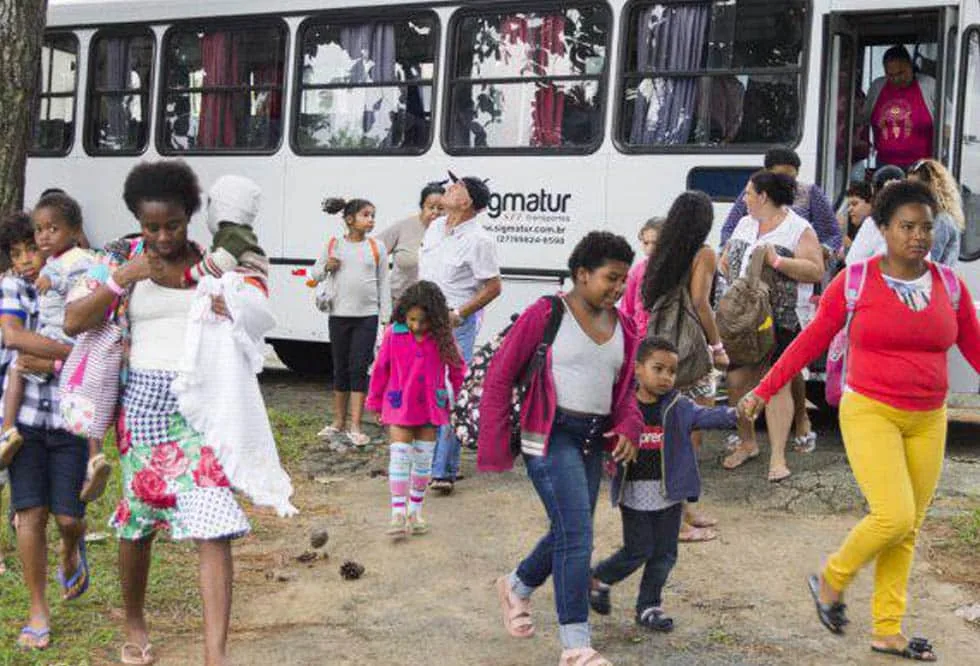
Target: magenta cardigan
408,383
540,403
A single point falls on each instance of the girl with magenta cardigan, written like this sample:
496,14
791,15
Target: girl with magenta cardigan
577,407
408,390
893,411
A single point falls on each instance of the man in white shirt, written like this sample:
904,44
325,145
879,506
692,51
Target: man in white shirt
460,257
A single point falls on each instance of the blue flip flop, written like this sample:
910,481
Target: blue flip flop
77,585
37,635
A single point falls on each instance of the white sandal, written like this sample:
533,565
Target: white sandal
583,657
358,439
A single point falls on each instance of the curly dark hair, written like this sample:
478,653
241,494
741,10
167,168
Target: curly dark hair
165,180
15,228
899,194
427,296
596,248
687,226
65,206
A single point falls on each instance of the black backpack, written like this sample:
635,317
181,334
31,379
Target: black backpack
465,416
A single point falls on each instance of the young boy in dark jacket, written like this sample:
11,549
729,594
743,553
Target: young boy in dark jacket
650,492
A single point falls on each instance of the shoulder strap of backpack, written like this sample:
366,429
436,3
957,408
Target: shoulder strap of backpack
374,251
952,284
331,246
554,320
854,284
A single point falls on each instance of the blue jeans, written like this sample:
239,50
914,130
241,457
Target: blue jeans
649,538
567,481
445,461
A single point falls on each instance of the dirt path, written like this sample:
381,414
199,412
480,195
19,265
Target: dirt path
738,600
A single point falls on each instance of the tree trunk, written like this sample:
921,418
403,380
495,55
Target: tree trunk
21,35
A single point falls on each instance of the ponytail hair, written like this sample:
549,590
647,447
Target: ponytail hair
347,207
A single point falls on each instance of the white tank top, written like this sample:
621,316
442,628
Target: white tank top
584,371
158,325
790,295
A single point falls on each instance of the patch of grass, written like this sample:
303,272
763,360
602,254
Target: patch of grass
967,528
951,543
294,432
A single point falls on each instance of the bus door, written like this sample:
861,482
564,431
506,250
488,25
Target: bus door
854,45
838,147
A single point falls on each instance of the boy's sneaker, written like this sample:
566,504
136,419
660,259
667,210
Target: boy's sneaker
96,479
417,524
653,618
10,443
599,600
398,527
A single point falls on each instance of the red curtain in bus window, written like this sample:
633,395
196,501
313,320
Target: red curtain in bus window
543,43
549,102
219,58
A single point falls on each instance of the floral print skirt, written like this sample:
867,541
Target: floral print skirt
171,480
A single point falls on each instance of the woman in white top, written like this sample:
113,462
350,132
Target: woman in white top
796,259
362,301
172,480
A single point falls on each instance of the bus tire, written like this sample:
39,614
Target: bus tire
305,358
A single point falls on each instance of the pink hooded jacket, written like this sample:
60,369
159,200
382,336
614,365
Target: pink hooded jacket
540,403
408,383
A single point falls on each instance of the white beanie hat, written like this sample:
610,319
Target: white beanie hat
233,199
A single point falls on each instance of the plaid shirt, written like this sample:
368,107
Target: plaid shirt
39,408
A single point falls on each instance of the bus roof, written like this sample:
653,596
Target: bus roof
103,12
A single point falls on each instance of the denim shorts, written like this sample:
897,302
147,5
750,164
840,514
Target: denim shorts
49,470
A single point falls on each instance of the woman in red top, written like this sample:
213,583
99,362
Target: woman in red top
893,413
902,111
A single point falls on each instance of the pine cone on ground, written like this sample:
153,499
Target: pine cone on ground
351,570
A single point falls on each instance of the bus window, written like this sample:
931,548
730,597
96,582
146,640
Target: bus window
366,86
969,135
118,114
712,74
223,89
528,80
54,124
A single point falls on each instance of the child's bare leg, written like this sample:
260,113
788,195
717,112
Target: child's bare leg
10,440
98,472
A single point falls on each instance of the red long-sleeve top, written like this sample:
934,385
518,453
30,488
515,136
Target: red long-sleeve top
896,356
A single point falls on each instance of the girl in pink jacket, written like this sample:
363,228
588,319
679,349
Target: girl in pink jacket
408,390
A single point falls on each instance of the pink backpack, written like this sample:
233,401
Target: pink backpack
837,352
90,381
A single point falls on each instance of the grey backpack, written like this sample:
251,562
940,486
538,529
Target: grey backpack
745,315
673,317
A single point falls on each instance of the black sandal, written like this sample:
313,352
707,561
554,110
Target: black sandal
833,616
653,618
599,600
916,650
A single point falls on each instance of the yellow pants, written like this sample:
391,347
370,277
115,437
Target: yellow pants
896,457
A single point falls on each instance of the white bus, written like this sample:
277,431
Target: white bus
583,114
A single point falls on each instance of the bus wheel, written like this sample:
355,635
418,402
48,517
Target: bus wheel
305,358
